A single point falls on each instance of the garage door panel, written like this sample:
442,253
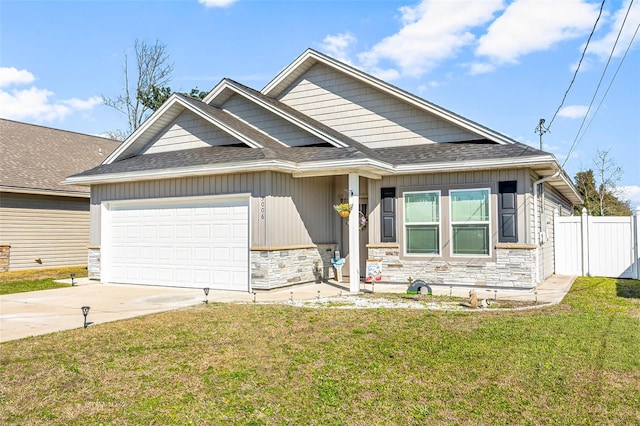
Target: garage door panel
165,231
205,244
149,274
182,254
201,231
148,231
165,254
202,254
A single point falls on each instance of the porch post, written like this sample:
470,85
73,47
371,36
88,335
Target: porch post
354,233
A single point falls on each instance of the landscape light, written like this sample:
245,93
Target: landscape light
73,277
206,295
85,312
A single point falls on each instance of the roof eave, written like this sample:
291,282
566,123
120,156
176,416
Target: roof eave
172,173
50,192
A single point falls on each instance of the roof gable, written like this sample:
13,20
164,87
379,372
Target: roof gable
367,114
164,117
291,75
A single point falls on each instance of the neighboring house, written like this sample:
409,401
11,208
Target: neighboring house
237,191
43,223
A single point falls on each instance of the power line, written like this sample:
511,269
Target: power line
575,74
610,84
604,71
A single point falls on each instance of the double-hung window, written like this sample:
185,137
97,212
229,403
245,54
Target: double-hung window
470,222
422,222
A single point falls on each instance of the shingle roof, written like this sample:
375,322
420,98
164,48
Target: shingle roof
455,151
40,158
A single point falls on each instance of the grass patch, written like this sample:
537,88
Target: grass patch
573,363
37,279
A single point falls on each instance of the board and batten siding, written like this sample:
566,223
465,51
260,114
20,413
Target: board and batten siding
447,181
285,211
366,114
269,123
52,229
188,131
552,201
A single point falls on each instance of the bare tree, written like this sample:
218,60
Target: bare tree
609,174
152,69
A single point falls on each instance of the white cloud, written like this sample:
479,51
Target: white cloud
216,3
531,25
480,68
34,103
79,104
432,31
337,46
573,111
631,193
602,47
12,75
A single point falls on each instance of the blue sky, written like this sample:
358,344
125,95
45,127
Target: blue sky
504,64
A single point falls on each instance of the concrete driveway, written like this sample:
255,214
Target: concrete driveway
41,312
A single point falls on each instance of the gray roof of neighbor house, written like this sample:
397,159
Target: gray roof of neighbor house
37,159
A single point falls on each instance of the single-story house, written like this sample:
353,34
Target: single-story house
237,191
43,223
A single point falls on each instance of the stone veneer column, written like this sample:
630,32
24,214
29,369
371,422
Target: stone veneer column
93,262
5,257
273,267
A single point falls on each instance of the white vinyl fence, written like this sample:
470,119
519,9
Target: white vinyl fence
605,246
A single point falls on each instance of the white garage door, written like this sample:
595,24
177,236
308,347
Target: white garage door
177,242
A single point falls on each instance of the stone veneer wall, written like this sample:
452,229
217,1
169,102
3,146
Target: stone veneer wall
93,263
284,266
514,267
5,256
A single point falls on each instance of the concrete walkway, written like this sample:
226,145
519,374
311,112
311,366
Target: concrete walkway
41,312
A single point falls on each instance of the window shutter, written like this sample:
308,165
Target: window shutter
507,211
388,223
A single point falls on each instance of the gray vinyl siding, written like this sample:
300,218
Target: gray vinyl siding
284,211
54,229
188,131
268,123
552,201
366,114
439,181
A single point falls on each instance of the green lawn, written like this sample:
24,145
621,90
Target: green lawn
574,363
37,279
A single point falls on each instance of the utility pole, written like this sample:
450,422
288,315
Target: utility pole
541,130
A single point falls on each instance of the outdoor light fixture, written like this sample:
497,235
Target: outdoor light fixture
291,297
85,312
254,297
73,277
206,295
318,294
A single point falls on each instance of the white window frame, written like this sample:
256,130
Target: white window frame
439,223
452,223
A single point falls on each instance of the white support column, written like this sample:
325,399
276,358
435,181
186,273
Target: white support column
354,233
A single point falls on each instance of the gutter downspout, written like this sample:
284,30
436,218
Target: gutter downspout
536,219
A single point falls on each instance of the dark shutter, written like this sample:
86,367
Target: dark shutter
507,212
388,224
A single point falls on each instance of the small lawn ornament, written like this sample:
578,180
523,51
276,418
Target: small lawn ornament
418,287
473,300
